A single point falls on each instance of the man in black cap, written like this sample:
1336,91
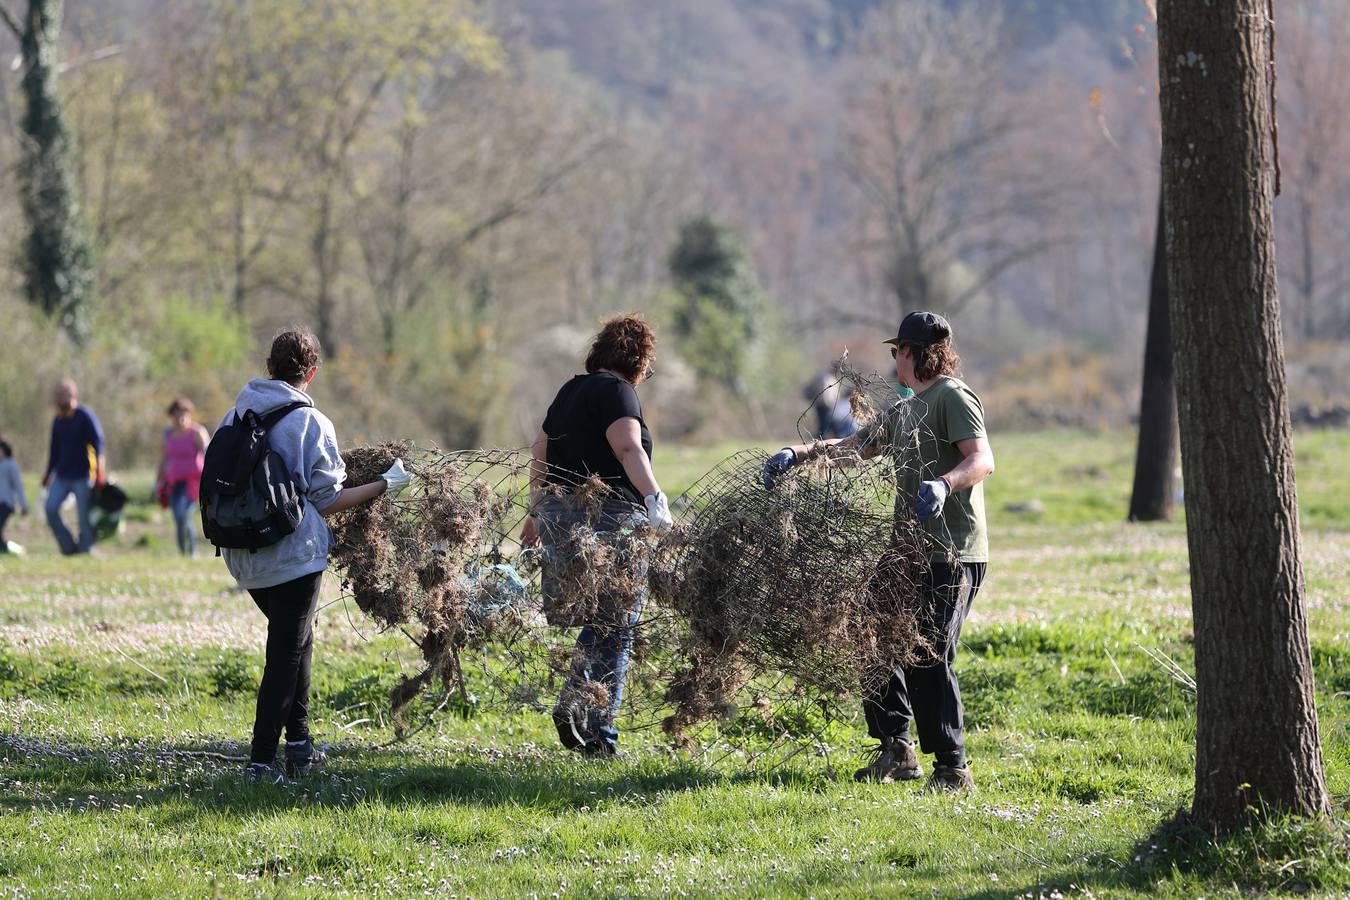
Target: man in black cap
942,455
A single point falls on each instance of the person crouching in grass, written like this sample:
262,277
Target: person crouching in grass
939,474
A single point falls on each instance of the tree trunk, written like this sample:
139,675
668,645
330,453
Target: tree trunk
59,257
1257,745
324,265
1155,459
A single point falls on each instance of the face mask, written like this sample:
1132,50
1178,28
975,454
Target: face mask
904,392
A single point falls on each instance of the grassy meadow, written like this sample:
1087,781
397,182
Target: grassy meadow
125,678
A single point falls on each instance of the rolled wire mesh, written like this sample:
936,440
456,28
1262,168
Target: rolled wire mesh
813,587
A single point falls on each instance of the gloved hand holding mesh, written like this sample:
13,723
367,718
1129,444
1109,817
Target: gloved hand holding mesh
776,466
658,512
397,478
931,498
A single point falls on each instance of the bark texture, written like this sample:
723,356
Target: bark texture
1155,462
1257,744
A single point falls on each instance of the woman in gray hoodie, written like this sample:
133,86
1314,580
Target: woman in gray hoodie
284,579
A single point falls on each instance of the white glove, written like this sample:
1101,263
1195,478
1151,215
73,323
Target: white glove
658,512
397,478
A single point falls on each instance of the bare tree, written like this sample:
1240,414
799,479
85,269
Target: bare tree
1315,108
930,147
1257,747
472,155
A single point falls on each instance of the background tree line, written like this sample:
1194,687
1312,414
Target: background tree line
453,193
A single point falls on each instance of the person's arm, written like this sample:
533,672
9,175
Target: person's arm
976,467
529,534
835,448
353,496
51,458
625,439
202,437
96,441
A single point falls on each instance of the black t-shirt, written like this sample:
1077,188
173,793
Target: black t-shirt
576,422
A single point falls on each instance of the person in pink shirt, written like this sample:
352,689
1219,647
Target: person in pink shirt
180,471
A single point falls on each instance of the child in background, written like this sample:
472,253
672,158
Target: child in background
11,493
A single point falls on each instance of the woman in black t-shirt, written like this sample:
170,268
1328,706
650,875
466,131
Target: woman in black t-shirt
595,428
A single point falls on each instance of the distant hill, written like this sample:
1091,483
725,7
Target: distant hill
644,48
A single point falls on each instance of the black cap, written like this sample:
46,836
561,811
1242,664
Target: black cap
922,328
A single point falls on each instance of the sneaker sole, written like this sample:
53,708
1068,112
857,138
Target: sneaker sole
900,775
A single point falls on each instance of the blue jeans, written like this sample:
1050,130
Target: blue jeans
605,644
60,489
182,506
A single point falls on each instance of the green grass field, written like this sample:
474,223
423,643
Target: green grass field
117,672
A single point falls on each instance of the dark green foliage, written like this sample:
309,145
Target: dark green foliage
719,298
68,679
58,254
233,673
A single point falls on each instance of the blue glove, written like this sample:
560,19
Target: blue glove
932,496
776,466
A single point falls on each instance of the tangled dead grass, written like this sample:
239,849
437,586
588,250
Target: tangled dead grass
418,559
811,580
814,587
442,563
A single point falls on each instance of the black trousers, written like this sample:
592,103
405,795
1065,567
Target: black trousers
927,694
5,512
283,695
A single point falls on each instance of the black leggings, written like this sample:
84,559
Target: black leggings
283,696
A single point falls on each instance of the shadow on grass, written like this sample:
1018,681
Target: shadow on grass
1279,855
85,778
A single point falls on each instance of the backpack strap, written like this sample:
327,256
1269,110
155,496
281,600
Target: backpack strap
272,418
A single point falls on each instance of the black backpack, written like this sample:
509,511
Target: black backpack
248,498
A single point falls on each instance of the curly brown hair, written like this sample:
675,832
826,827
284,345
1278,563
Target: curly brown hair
295,351
934,360
624,345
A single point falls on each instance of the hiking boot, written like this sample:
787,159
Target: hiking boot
949,778
302,757
266,773
600,750
565,720
892,760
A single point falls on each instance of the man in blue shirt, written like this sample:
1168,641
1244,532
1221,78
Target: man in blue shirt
76,456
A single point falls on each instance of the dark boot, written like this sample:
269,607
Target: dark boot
892,760
949,778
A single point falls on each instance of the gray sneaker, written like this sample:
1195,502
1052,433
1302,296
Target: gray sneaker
303,757
949,778
266,773
892,760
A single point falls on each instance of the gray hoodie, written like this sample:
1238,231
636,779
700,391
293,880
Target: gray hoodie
11,485
305,440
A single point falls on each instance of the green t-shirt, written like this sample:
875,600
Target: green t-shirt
920,433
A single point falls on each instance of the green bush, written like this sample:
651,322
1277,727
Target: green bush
234,672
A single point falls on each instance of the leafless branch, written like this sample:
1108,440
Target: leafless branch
97,56
10,21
